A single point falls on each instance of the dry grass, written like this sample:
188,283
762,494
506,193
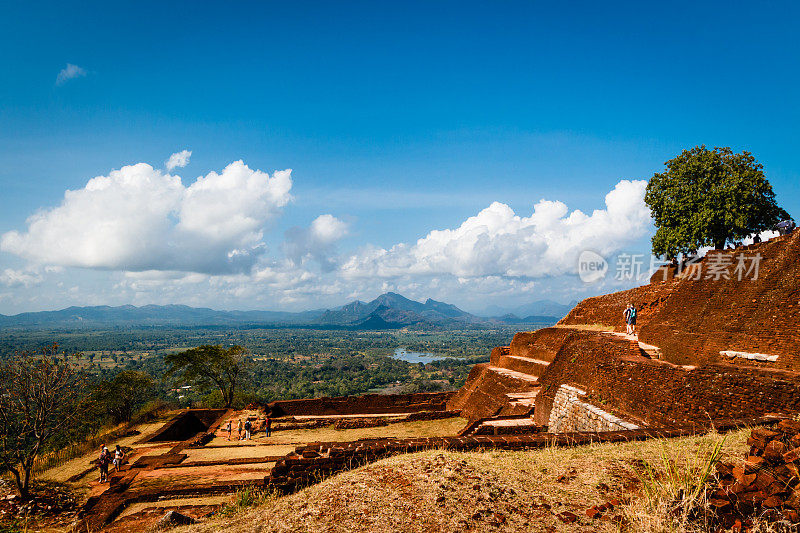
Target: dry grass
501,491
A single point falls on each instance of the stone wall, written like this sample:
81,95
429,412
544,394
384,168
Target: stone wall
186,424
311,463
571,413
366,404
542,344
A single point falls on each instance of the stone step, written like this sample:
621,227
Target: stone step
514,374
525,365
523,398
526,421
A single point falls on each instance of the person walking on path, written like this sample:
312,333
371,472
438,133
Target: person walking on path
247,426
103,463
119,455
268,426
229,428
625,314
239,429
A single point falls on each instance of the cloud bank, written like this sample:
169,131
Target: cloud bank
498,242
138,218
69,72
151,238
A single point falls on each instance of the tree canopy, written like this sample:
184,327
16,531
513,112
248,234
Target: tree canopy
42,402
123,394
708,198
210,366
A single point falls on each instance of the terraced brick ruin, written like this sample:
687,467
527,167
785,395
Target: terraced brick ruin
710,352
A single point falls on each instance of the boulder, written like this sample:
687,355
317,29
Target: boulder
174,519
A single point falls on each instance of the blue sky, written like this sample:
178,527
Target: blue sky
397,120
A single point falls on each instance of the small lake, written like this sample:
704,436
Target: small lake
415,357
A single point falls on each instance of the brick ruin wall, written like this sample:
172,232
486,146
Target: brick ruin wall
542,344
312,462
692,321
659,394
570,413
366,404
186,424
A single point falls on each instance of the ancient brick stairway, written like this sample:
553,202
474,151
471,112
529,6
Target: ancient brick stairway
638,348
509,384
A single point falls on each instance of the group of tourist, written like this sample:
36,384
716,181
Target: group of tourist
247,426
785,227
106,458
243,429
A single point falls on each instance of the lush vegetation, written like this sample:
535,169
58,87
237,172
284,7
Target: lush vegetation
130,366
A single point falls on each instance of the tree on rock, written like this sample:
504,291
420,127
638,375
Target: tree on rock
708,198
210,366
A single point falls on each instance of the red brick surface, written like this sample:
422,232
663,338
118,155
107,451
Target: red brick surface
366,404
662,394
693,320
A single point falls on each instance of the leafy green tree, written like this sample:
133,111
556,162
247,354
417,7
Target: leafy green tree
208,367
708,198
42,404
121,396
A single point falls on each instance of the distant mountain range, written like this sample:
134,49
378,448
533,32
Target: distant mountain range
539,307
387,311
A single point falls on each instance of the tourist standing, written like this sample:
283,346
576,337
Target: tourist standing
239,429
103,463
626,315
229,428
247,426
268,426
119,455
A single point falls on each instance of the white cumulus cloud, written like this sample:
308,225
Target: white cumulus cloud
68,73
498,242
178,160
315,242
138,218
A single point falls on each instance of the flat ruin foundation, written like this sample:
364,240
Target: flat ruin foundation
711,353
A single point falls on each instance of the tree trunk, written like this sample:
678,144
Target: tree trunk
25,491
719,244
22,487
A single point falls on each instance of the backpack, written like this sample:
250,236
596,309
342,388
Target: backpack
633,313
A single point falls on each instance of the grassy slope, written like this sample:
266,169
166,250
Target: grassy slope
498,491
